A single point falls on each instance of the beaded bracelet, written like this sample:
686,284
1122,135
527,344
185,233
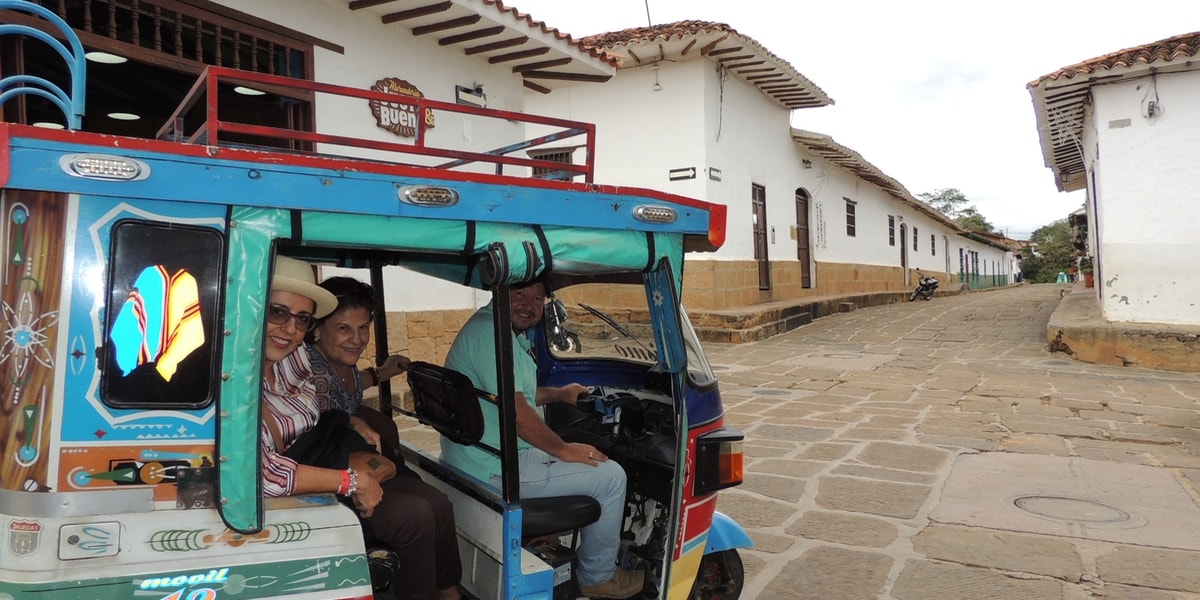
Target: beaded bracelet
353,486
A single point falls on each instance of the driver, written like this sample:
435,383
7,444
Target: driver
548,465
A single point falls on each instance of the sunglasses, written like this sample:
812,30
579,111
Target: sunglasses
278,314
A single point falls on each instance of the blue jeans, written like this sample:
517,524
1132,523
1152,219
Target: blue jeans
543,475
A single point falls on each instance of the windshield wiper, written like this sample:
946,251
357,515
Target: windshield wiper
617,326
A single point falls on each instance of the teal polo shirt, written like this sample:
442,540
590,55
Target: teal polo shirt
474,355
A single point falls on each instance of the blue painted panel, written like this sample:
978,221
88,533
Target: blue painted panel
91,420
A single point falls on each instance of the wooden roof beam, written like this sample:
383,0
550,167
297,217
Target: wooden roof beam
413,13
444,25
471,35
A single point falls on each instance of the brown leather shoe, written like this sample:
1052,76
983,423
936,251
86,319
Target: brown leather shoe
621,585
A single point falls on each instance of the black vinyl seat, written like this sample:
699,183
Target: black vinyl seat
447,401
544,516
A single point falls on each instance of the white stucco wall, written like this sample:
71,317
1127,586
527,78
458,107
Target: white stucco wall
1147,198
374,51
643,133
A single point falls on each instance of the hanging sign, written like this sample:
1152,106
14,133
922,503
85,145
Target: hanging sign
398,117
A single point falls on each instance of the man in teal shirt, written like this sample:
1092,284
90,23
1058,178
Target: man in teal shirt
549,466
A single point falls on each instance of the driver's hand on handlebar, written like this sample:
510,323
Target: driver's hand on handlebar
582,453
573,392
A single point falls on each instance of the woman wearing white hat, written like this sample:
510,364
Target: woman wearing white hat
293,407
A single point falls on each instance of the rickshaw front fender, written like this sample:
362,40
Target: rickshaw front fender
726,534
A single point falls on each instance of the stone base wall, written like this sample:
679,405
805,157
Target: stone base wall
421,335
1077,330
722,298
731,285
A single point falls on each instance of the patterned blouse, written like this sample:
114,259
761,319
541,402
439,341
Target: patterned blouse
329,385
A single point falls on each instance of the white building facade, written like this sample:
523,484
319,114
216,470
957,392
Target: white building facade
1126,128
700,110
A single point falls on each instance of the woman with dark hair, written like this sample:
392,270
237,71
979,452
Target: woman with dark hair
335,347
413,519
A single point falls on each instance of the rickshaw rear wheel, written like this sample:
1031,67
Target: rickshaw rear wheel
721,577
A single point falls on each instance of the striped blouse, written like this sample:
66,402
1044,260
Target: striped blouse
293,403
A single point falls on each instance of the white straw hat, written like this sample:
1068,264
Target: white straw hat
296,276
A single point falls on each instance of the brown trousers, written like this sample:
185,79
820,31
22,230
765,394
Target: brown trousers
417,523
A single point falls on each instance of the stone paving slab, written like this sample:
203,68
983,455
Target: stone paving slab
896,477
1071,497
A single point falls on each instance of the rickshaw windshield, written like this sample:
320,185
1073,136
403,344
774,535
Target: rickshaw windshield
612,321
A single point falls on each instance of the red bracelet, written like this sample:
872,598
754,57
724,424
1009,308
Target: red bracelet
345,486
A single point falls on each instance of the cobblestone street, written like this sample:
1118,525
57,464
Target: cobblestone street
936,450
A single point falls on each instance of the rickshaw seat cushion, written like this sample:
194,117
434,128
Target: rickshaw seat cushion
447,401
554,514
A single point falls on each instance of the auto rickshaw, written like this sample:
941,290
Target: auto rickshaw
135,276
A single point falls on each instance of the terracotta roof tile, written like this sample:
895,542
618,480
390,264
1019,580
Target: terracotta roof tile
776,78
1173,48
827,148
560,35
1061,98
677,30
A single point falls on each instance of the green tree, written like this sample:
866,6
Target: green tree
948,201
970,219
1054,253
953,203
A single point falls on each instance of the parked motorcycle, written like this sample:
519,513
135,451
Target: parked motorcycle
925,287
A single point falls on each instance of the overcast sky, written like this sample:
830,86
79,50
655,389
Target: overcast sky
930,92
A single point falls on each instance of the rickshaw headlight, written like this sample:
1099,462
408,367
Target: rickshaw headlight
719,460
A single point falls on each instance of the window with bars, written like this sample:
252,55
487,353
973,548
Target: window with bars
891,230
851,207
916,237
559,155
182,31
166,44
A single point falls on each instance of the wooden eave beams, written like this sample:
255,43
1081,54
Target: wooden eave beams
361,4
413,13
471,35
545,64
560,76
444,25
511,56
541,89
498,45
723,50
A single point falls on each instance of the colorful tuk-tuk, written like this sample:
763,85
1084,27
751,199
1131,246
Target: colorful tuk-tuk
135,276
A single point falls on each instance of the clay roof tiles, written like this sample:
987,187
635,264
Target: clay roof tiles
746,59
541,25
1061,98
1173,48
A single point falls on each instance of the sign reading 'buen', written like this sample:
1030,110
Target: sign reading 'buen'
398,117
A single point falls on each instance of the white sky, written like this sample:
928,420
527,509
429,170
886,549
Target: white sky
930,91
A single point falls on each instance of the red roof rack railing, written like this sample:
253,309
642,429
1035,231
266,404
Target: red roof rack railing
212,129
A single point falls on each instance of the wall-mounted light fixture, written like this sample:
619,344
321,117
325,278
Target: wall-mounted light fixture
807,163
684,173
471,96
657,86
714,173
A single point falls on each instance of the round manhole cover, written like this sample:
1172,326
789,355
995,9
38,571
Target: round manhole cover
1077,510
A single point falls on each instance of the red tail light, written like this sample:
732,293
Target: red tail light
719,460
